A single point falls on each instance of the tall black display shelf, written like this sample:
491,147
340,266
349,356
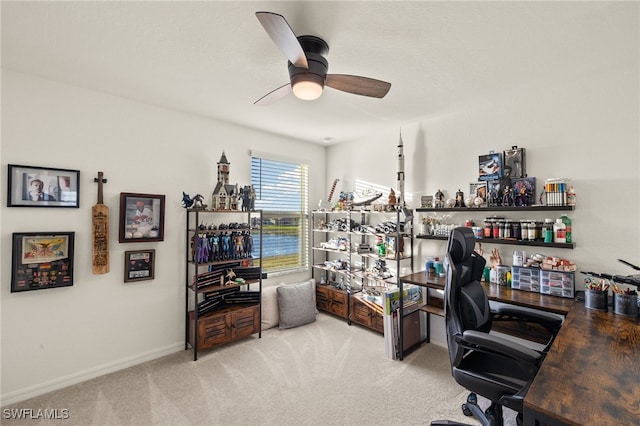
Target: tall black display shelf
218,312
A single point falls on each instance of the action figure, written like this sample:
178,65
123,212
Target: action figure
198,202
203,249
507,197
392,197
225,242
459,198
248,195
248,244
438,199
214,244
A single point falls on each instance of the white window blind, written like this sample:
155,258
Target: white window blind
282,192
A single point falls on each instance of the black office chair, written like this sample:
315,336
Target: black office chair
497,368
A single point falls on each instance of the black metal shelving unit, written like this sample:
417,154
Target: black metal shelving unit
193,267
361,217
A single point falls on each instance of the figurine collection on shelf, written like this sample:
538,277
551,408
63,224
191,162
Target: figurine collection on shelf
225,196
503,182
223,242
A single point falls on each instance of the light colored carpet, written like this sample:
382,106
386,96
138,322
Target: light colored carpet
324,373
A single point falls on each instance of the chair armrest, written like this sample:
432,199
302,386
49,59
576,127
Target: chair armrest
516,401
492,343
511,312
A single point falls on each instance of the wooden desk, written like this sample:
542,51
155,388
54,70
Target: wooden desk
591,375
557,305
554,304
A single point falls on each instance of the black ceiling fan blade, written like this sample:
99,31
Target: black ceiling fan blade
274,95
357,85
283,36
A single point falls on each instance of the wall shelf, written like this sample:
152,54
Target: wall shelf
535,243
498,209
506,242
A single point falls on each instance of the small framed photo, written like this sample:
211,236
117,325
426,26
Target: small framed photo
41,260
31,186
478,191
139,265
141,217
426,201
490,166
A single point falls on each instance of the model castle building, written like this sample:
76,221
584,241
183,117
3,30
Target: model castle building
224,196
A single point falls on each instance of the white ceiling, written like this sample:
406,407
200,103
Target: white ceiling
214,59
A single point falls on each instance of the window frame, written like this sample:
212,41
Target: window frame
292,177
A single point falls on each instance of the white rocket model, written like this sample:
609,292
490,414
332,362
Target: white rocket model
400,186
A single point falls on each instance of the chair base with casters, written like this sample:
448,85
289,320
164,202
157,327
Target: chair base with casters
492,416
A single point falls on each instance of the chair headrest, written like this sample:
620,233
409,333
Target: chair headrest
461,244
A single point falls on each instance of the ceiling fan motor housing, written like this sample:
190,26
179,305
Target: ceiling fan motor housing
314,48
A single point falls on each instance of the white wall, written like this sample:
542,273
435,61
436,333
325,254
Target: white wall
52,338
584,127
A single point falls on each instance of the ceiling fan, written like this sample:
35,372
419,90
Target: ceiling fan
308,67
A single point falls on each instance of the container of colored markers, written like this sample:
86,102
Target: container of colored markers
596,294
625,302
556,191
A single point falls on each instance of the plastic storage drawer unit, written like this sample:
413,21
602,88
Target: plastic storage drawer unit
525,278
557,283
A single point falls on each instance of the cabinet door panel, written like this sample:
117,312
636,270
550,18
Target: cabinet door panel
213,331
244,322
377,322
338,304
360,313
322,299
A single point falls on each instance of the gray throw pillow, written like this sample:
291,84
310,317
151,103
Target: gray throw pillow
296,303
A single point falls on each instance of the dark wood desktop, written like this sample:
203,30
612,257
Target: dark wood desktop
591,375
558,305
434,305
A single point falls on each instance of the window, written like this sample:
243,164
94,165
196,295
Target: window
282,192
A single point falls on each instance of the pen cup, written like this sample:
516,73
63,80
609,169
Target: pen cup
594,299
625,304
439,268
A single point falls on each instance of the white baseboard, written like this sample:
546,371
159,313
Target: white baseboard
81,376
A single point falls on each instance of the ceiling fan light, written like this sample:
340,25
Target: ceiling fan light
307,90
